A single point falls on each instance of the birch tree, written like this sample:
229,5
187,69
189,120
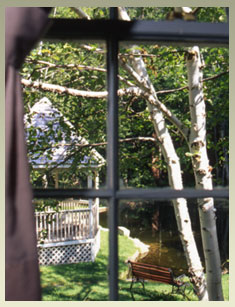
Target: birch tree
138,71
202,173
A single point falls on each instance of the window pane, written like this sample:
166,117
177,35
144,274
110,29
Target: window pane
156,116
66,115
73,250
149,234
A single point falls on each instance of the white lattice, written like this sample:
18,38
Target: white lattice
65,254
69,252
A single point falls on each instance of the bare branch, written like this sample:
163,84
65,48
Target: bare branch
80,13
216,76
172,90
63,90
78,66
196,10
186,87
89,48
79,93
100,144
134,139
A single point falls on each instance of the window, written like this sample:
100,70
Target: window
115,32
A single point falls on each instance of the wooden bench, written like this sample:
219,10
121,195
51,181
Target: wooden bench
142,271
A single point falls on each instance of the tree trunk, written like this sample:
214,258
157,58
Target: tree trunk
180,204
203,177
174,171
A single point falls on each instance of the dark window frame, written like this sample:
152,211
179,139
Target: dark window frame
114,31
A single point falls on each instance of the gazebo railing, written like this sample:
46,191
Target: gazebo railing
66,225
70,204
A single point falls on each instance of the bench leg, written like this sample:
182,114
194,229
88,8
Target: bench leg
131,290
142,282
180,289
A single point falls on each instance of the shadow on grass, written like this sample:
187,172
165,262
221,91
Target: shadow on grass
151,293
75,281
89,282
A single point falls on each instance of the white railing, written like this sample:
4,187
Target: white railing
70,205
67,225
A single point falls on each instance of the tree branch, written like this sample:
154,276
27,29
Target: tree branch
134,139
216,76
80,13
78,93
172,90
186,87
100,144
63,89
89,48
78,66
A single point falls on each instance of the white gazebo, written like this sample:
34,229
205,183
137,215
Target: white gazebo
69,234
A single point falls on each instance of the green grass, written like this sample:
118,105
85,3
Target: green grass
89,281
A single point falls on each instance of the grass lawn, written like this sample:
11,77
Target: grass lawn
89,281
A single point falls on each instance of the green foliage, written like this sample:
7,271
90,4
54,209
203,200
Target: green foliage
141,163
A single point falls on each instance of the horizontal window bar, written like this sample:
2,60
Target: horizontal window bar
167,193
157,194
163,32
67,193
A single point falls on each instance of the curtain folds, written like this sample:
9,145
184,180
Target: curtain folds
24,27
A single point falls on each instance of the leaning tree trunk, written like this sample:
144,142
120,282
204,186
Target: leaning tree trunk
138,70
203,177
180,204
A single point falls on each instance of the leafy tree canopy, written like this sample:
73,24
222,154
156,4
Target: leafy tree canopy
82,67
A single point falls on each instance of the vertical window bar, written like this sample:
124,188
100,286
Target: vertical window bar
227,13
112,159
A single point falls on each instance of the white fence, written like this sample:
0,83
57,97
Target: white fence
75,220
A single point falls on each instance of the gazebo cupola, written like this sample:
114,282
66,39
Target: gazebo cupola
60,140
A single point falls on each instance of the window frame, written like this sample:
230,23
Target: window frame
114,31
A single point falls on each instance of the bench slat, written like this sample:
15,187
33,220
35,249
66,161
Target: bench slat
152,267
147,275
152,272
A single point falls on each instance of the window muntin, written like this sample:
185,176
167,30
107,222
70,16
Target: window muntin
144,32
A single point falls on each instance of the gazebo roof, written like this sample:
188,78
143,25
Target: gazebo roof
43,116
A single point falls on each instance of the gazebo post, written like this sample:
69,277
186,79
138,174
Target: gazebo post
97,200
91,220
56,179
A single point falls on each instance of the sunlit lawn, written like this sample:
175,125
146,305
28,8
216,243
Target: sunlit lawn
89,281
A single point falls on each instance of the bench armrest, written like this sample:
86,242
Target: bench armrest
179,280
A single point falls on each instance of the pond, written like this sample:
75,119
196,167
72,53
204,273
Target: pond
165,247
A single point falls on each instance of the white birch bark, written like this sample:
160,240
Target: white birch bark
174,172
202,173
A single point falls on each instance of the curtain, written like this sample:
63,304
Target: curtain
23,28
